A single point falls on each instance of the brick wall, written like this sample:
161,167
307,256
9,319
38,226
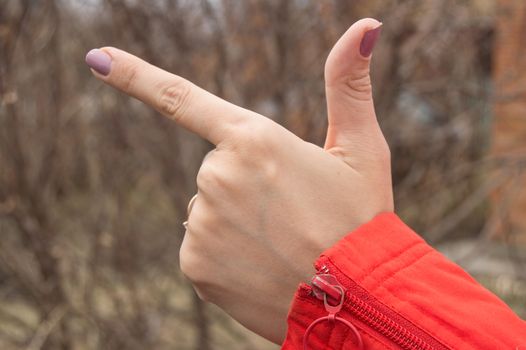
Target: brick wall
509,127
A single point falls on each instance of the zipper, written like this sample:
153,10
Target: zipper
325,286
328,285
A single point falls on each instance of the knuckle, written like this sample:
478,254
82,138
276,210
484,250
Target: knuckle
257,144
190,267
202,294
213,176
359,86
173,97
206,177
257,136
186,263
270,169
209,154
129,76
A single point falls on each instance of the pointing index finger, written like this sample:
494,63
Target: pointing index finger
173,96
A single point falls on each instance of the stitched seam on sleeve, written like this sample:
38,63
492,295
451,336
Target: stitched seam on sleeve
394,273
396,255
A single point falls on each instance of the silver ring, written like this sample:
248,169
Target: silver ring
189,209
191,205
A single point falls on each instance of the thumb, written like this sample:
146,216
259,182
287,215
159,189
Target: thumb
353,129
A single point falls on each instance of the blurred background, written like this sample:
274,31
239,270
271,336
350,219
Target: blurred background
94,186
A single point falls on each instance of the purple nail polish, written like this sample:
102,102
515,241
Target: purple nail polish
369,40
99,61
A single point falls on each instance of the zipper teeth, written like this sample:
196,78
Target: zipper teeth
385,326
377,320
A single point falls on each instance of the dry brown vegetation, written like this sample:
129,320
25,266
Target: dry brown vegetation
94,186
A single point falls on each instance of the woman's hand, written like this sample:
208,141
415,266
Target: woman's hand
268,202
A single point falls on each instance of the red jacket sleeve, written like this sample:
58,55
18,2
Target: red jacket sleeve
400,293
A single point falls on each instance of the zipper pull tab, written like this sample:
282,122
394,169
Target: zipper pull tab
326,287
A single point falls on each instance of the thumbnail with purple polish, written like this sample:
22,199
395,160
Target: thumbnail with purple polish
99,61
369,40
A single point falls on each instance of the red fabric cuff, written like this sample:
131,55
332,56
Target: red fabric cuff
390,272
